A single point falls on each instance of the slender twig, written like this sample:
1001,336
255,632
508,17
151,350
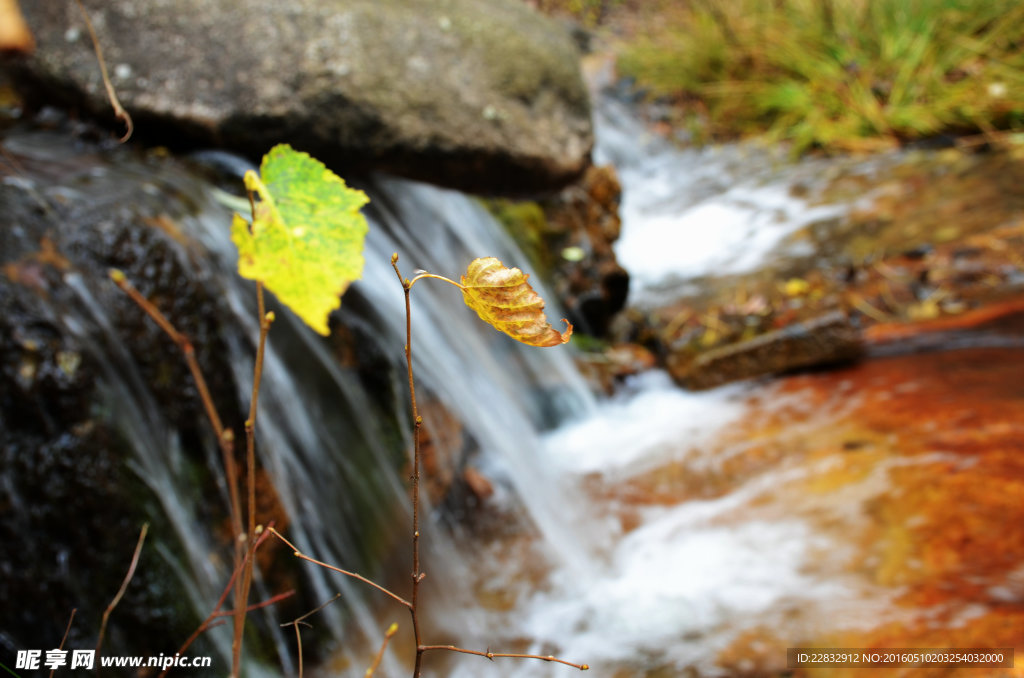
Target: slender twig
217,612
66,632
298,644
124,587
299,620
266,319
392,630
272,600
219,615
119,111
245,582
226,440
417,576
516,655
298,554
225,437
420,276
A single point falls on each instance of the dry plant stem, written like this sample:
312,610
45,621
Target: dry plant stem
298,645
208,623
245,581
246,542
428,275
67,630
124,587
119,111
392,630
515,655
299,620
417,576
298,554
225,437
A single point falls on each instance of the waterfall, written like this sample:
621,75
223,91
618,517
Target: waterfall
503,393
331,436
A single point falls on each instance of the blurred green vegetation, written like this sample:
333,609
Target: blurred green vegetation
588,12
833,74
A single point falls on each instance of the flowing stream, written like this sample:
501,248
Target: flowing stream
669,585
641,588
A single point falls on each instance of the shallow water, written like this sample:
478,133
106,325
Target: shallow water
828,509
725,209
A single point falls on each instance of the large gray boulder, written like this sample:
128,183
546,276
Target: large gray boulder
482,95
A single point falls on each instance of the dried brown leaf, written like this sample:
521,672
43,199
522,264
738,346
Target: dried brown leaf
503,298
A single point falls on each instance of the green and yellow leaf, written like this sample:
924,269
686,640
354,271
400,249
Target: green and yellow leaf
306,240
503,298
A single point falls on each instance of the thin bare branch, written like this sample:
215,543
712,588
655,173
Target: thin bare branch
347,573
515,655
216,613
225,437
245,583
66,632
417,576
312,612
119,111
435,277
298,644
124,587
392,630
299,620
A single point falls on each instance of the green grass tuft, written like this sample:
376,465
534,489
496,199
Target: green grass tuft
837,74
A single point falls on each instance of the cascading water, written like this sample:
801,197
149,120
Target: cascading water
665,590
697,212
333,455
674,583
501,392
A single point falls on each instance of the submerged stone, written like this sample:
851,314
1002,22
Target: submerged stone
827,340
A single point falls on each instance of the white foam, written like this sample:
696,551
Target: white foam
731,232
693,212
676,589
652,422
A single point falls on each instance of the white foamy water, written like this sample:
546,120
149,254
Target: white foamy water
728,232
678,589
651,423
672,591
671,586
688,213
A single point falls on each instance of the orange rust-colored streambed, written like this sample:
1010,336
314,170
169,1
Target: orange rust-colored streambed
911,469
925,455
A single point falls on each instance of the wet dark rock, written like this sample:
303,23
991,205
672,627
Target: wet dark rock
826,340
72,508
486,97
610,368
74,499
